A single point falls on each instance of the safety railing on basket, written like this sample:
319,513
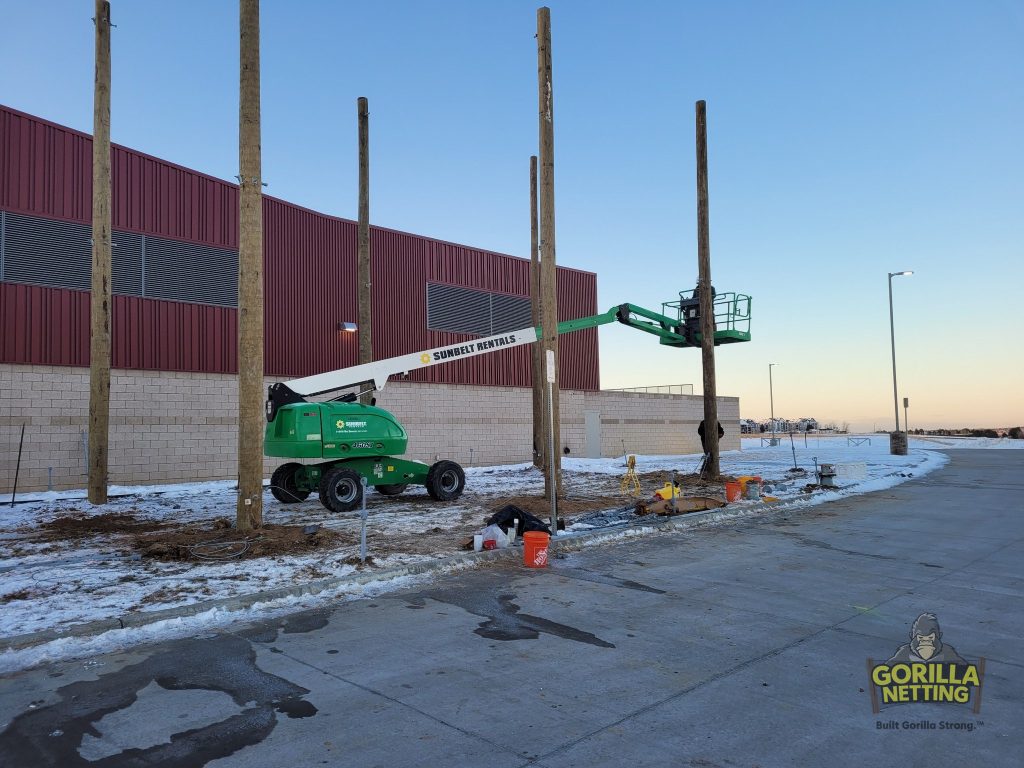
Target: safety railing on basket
731,310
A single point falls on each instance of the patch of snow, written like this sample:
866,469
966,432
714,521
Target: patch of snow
216,619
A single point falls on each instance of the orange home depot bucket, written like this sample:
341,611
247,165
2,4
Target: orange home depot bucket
535,549
733,491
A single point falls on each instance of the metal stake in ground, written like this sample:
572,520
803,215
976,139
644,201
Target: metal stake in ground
675,506
17,468
362,532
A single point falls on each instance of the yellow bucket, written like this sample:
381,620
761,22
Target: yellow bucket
747,479
667,493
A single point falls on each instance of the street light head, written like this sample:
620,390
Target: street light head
897,274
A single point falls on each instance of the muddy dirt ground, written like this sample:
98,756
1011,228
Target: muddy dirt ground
217,540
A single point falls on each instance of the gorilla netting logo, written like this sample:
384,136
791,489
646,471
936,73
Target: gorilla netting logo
926,670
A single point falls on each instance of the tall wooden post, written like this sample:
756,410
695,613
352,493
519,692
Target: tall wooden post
548,284
707,318
536,350
99,338
363,268
249,512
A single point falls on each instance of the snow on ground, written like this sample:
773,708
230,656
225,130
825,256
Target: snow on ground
51,585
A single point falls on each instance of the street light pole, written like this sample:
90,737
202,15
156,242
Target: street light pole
892,339
771,397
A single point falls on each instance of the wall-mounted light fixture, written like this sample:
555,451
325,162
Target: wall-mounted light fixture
348,327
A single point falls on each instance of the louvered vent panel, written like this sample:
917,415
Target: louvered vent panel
47,252
182,271
127,263
458,310
509,313
56,253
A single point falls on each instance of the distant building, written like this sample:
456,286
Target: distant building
780,425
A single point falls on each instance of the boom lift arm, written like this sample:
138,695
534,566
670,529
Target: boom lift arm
732,317
355,445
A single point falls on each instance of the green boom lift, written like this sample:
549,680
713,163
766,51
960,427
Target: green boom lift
349,442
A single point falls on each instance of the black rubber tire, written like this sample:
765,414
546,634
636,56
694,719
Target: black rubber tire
392,490
341,489
282,484
445,481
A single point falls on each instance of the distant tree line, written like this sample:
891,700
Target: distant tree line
1014,433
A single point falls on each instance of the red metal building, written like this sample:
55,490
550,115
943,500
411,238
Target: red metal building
175,275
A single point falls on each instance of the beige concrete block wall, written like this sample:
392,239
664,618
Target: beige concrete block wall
164,427
180,427
494,424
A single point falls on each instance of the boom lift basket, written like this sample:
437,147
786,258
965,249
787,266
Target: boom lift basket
731,311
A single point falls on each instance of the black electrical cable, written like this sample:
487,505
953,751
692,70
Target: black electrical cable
220,549
286,490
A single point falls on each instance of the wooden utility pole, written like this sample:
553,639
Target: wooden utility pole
536,350
548,284
707,317
99,338
363,269
249,512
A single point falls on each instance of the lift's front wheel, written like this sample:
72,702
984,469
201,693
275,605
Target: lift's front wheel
445,481
341,489
283,485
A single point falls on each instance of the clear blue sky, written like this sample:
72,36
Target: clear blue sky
846,140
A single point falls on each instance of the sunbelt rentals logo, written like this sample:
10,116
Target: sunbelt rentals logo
926,670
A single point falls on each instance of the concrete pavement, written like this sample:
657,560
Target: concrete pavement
743,644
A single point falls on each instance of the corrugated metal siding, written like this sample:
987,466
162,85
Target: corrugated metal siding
459,265
159,198
309,263
173,336
47,169
50,326
48,172
309,275
578,352
46,326
399,294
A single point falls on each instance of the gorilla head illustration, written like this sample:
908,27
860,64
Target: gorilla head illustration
926,636
926,644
